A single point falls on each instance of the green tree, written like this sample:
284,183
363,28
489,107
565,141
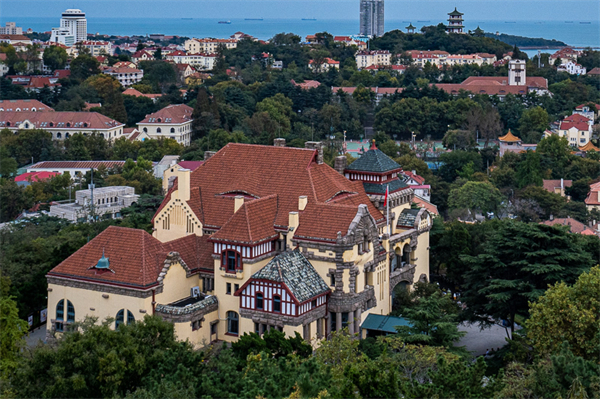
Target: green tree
55,57
459,139
475,196
532,124
568,313
515,266
529,172
84,66
12,331
13,200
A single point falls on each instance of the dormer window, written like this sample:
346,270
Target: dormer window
231,261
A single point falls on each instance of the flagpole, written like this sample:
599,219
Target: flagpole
387,201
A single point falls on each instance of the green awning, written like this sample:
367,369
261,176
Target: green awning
383,323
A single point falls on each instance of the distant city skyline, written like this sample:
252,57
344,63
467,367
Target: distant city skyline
323,9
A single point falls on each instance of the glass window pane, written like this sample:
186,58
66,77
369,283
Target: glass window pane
60,310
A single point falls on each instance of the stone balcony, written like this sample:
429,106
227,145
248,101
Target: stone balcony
404,273
188,309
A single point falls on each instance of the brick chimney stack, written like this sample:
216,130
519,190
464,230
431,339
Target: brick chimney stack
208,154
279,142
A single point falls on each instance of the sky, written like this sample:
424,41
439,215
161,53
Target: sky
579,10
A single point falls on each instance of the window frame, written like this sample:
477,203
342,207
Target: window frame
277,303
262,301
233,323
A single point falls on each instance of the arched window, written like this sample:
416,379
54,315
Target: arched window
233,326
67,135
276,303
259,301
120,318
172,130
70,312
145,130
58,135
60,310
158,130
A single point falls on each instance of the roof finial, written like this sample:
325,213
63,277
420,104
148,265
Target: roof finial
373,146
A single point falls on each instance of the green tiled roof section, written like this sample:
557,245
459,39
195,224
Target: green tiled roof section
373,188
296,272
455,12
407,217
387,324
373,161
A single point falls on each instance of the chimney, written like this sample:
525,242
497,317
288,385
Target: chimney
294,220
340,164
551,217
562,186
316,145
414,172
302,201
208,154
279,142
239,201
183,184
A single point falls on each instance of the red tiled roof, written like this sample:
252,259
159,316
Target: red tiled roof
307,84
576,118
578,125
377,90
35,176
59,119
414,176
135,257
422,203
593,197
136,93
595,71
326,61
191,165
575,226
550,185
76,164
23,105
174,113
263,171
122,70
579,107
253,223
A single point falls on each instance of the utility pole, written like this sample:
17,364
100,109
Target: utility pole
92,213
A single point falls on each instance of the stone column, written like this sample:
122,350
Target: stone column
338,321
358,313
328,324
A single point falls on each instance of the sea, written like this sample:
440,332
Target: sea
577,33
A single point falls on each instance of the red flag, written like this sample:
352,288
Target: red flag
387,190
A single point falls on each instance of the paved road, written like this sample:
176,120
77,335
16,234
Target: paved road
36,336
478,341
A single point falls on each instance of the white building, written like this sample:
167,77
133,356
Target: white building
125,75
173,121
11,28
107,204
517,73
97,48
208,45
62,125
367,58
577,129
327,64
572,68
73,28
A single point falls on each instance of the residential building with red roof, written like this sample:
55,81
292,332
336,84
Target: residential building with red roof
24,105
594,71
63,124
208,45
349,41
593,198
592,113
417,183
577,129
380,92
136,93
11,39
325,65
27,178
307,84
142,55
96,48
575,226
34,83
77,169
125,75
572,68
516,83
174,121
257,237
557,186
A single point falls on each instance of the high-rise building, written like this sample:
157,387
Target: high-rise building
73,28
11,28
371,18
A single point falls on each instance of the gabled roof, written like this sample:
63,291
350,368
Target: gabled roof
575,226
260,171
374,161
136,258
296,272
23,105
581,126
410,175
550,185
509,137
423,203
252,223
576,118
593,197
174,113
59,119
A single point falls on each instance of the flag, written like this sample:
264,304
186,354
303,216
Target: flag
387,190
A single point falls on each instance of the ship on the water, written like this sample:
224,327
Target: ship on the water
309,19
225,22
253,19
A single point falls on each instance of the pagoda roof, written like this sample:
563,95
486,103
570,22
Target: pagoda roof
509,137
374,161
374,188
455,12
411,26
589,147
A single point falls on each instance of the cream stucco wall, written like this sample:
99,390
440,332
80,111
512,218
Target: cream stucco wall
176,285
92,303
